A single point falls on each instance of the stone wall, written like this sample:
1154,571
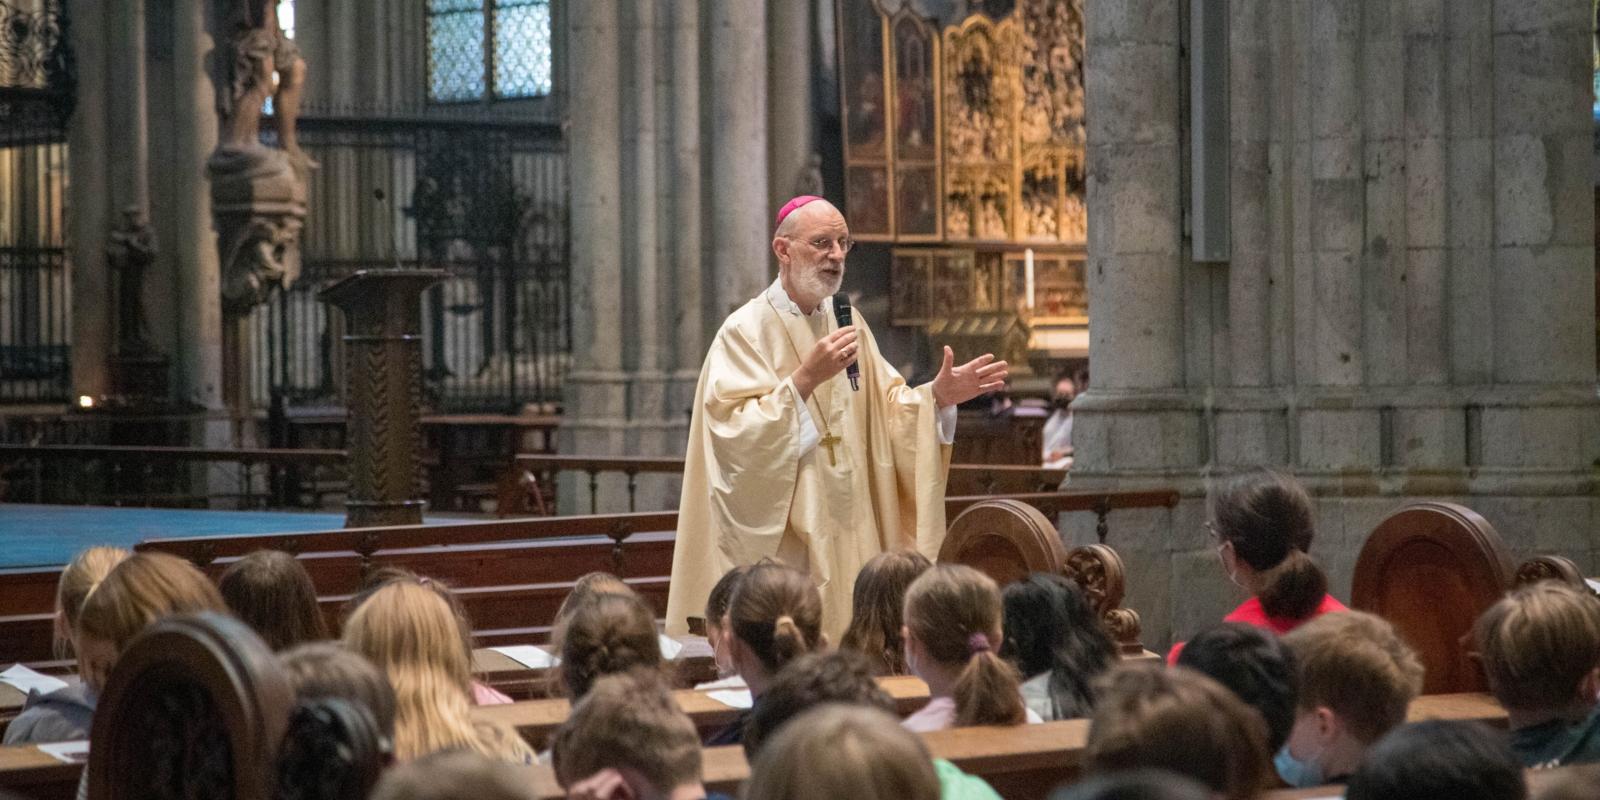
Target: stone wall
1408,311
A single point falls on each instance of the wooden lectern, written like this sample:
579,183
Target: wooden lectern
383,392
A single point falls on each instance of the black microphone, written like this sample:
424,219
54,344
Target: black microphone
394,245
841,312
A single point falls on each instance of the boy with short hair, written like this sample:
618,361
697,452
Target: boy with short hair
1540,647
1357,679
627,738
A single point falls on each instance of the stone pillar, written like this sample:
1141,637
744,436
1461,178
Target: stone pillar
688,242
89,138
741,254
1136,423
383,392
1410,295
198,357
596,389
789,110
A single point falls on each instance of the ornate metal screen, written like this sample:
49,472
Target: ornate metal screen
36,97
485,201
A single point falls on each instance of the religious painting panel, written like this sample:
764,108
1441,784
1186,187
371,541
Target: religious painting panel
862,74
866,199
916,191
979,98
909,282
951,290
987,280
1059,291
915,112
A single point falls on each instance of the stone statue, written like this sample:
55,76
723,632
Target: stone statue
130,252
258,193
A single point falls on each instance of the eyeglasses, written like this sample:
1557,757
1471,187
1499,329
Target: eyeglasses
825,245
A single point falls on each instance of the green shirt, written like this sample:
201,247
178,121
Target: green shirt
957,785
1558,744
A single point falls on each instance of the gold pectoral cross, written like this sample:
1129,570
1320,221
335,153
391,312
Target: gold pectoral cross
829,441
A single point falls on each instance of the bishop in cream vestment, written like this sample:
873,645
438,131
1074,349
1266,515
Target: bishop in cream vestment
785,461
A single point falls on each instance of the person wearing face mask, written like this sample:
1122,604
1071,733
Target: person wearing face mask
1357,679
1261,528
794,456
1058,428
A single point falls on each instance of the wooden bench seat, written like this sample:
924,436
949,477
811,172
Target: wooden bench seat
1021,762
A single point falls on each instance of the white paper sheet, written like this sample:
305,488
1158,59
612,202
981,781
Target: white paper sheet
528,655
25,679
670,647
733,698
70,752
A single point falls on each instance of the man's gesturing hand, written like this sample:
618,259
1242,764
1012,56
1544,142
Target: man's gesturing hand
955,385
833,352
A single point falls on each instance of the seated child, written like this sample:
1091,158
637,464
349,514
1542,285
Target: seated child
1357,679
1254,663
1540,647
627,739
1438,759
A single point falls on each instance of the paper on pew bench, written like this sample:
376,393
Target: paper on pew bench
534,657
68,752
733,698
26,679
670,647
528,655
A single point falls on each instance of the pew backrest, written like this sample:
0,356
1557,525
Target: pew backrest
1431,569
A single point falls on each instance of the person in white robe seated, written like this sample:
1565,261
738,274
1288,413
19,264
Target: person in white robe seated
793,457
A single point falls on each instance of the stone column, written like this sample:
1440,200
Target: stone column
89,138
126,99
198,357
789,96
596,389
741,254
1543,415
688,243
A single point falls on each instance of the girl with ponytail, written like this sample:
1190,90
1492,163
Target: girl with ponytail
774,617
1261,525
952,639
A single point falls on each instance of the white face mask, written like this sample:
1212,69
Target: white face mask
1233,572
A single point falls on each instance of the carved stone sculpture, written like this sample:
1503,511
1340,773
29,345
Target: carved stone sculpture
131,251
258,193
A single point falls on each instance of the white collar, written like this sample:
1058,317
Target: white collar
781,301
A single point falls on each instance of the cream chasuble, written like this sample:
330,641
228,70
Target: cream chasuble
749,492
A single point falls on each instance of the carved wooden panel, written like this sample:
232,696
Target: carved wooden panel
1431,569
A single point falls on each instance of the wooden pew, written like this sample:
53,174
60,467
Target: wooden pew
1431,569
1010,540
1554,568
528,486
1028,761
1021,762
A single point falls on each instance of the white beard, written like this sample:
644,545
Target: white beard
812,283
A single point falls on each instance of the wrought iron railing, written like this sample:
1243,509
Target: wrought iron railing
36,98
483,200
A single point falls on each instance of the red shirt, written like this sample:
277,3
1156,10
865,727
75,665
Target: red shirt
1251,613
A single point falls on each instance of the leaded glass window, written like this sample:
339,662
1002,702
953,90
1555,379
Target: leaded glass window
488,46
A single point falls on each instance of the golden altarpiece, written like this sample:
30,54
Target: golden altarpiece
964,149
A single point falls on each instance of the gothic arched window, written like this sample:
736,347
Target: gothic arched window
498,48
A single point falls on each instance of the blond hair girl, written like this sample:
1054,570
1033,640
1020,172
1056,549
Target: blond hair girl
411,633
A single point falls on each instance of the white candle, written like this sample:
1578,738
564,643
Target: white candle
1027,260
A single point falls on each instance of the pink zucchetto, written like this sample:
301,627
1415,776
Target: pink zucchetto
789,207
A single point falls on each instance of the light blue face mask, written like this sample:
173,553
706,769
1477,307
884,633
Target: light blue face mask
1298,774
